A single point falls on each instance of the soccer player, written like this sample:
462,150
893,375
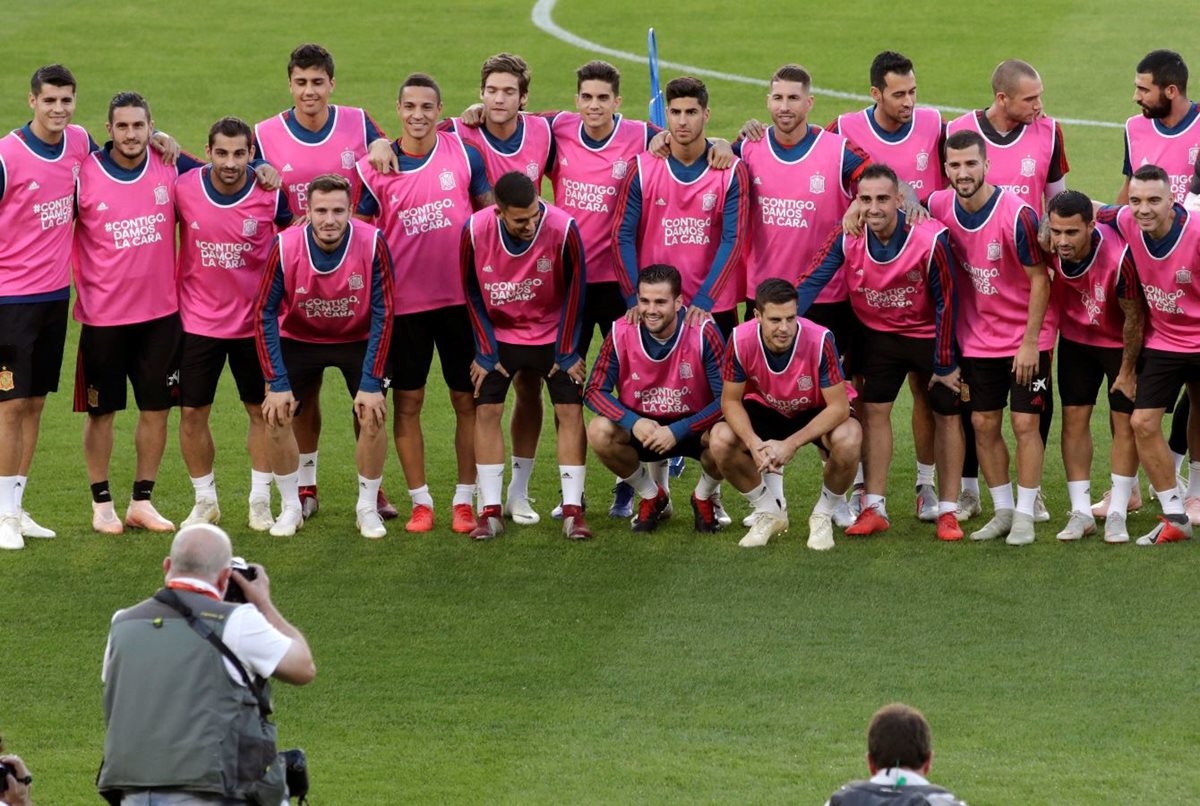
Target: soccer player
656,386
901,284
1096,295
312,138
326,301
227,224
784,388
523,273
1166,133
1004,333
421,209
1164,241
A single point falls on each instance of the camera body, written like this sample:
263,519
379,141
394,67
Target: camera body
296,763
5,771
234,593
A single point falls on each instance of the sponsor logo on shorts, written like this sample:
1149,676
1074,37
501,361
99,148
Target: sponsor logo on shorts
93,397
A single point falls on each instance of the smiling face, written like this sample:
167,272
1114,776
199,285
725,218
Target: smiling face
521,222
789,104
230,157
966,168
1151,202
310,88
53,108
658,307
130,129
879,199
597,103
419,110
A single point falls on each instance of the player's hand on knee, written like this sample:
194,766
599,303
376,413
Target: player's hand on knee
951,380
370,407
578,372
278,408
1126,384
752,130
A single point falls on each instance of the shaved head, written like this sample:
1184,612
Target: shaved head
202,552
1008,75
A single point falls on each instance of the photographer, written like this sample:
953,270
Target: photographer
15,781
182,727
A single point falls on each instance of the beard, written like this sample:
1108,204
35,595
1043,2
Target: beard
1158,111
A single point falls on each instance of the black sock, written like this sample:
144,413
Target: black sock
142,488
100,493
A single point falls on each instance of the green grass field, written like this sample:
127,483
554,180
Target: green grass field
667,668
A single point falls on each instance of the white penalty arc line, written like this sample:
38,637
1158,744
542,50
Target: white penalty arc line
542,15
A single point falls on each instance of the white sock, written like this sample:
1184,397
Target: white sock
947,506
8,495
1193,488
1179,460
205,486
308,469
289,490
1002,497
707,485
19,491
828,501
1026,499
971,485
421,496
522,472
859,478
661,473
761,500
260,485
924,474
571,478
368,492
1122,488
464,494
1081,496
642,483
490,479
1172,503
877,501
774,482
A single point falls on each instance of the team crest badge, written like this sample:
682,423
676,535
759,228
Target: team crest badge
347,159
249,227
816,184
161,196
1193,153
544,264
446,180
993,252
913,276
804,383
355,281
922,160
685,369
708,201
93,396
532,171
1028,166
1098,292
620,168
6,380
1183,277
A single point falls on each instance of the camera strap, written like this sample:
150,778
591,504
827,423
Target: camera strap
172,600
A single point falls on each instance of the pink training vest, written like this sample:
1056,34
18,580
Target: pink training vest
332,307
1169,285
299,163
794,206
1021,167
125,244
1174,153
587,181
894,296
223,251
523,293
36,212
915,158
1087,306
667,389
530,158
681,225
422,214
798,387
993,289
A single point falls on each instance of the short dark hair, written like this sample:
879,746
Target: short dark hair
420,80
1166,67
507,63
598,71
889,61
230,127
1151,173
515,189
310,55
124,99
879,170
53,74
966,138
1009,73
774,291
329,183
793,72
687,87
1070,203
898,736
661,273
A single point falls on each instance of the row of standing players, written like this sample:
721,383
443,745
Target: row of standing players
727,221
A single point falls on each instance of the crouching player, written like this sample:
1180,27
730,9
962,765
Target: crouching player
657,388
901,280
784,388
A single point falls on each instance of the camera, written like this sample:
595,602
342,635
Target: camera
234,593
7,770
296,763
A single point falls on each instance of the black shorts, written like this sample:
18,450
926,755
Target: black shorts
888,358
1081,370
32,335
839,319
690,446
1161,376
769,424
990,385
414,335
203,360
306,363
603,304
536,359
147,353
725,321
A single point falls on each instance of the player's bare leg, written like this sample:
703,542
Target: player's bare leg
283,454
12,417
1077,454
464,453
924,432
993,462
876,458
199,452
30,427
489,458
97,452
1031,454
572,467
736,464
410,447
526,429
611,444
949,450
307,428
1191,497
370,453
1160,466
150,440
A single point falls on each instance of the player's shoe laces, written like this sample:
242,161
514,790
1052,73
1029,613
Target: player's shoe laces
622,504
260,518
422,519
521,511
290,519
386,509
845,514
675,466
1021,533
143,515
856,503
650,512
464,519
1079,525
1191,508
105,520
766,525
869,521
1040,513
927,503
489,524
968,505
309,505
205,510
820,532
948,528
31,528
999,526
574,526
369,523
704,515
719,510
1167,531
1115,530
1100,508
10,532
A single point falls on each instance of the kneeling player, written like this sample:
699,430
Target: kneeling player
667,377
784,388
901,285
326,301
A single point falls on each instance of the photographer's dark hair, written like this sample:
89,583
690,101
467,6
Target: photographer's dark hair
898,736
774,291
1070,203
515,189
661,273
